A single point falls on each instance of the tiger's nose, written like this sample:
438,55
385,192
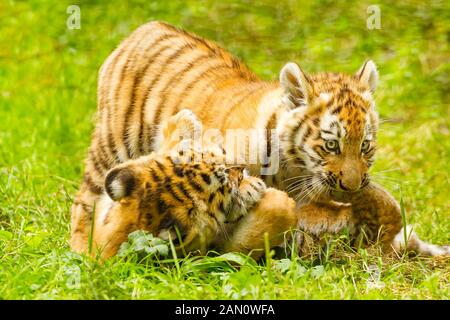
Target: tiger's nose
352,186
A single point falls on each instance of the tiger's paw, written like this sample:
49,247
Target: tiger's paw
185,123
252,190
330,217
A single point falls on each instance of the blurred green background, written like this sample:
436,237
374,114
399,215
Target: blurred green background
48,101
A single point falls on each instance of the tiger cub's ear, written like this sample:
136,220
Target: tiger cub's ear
120,183
368,75
296,84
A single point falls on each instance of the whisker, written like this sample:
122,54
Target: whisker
387,178
387,170
313,187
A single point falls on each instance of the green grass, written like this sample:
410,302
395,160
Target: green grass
47,107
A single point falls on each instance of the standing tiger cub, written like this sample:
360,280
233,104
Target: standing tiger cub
320,130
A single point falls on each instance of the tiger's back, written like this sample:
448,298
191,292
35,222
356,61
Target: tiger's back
154,73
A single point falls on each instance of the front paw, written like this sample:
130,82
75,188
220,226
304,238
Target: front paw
185,123
252,189
327,217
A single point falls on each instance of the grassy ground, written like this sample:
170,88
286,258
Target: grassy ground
47,105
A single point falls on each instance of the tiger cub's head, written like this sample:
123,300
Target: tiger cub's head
163,194
330,128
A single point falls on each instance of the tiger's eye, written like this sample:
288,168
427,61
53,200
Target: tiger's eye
365,146
332,145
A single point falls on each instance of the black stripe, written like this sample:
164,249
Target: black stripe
104,109
221,207
316,121
171,190
362,70
162,206
206,178
372,149
300,162
336,124
323,149
307,134
327,131
337,110
170,221
268,129
167,180
98,154
104,155
178,171
84,206
194,184
297,128
183,190
93,187
99,143
98,166
320,150
155,177
161,167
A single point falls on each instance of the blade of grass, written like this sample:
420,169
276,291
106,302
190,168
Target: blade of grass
91,231
403,213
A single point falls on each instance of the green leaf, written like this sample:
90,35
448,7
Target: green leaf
238,258
317,271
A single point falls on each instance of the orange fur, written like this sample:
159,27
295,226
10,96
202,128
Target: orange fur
326,123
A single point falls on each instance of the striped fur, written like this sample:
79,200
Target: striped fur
326,123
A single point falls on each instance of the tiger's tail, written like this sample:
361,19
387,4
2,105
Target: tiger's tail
415,244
